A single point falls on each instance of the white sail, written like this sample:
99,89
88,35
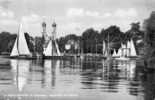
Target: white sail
128,44
48,50
128,48
57,49
14,51
123,46
132,49
114,54
22,44
104,48
124,49
106,53
52,49
119,53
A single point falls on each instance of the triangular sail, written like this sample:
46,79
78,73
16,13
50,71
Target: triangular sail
52,49
123,46
128,44
48,50
132,48
57,49
14,51
106,53
114,54
119,53
124,49
128,48
22,44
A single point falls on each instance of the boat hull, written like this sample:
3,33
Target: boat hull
129,57
22,57
122,58
34,58
56,57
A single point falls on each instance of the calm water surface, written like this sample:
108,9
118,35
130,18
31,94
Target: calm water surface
74,79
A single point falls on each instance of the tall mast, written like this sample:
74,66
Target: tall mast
108,44
53,37
44,36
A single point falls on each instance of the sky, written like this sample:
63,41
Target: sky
72,16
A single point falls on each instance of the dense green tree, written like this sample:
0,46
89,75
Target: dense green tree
149,26
69,39
6,41
113,36
38,45
89,40
30,42
137,35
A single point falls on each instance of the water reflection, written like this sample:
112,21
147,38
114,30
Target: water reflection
51,67
20,71
148,86
99,78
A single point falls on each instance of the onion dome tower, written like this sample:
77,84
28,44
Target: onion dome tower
54,25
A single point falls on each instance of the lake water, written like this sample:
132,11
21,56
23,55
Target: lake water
74,79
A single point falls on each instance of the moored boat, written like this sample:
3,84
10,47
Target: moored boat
20,49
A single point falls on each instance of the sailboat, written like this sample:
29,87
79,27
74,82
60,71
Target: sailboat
114,54
121,54
20,48
52,50
132,50
127,51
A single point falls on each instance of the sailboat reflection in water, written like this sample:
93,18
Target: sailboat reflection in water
50,69
20,68
127,68
124,69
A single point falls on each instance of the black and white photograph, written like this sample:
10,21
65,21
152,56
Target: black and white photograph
77,49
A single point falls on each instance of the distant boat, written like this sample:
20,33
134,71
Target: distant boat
132,49
121,54
20,48
127,51
114,54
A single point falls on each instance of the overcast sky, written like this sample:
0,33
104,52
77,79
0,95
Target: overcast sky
72,16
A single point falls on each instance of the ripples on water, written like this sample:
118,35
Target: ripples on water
91,80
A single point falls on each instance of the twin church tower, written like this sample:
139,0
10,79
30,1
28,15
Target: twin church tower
49,42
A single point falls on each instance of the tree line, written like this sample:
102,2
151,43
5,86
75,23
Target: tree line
91,40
